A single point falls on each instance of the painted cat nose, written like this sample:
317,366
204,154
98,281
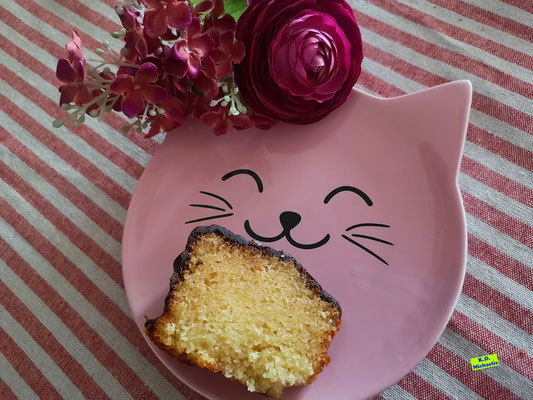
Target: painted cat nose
289,220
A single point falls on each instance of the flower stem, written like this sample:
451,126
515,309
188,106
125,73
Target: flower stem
143,119
84,108
119,64
112,103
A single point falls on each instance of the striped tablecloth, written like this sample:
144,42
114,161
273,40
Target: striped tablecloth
66,330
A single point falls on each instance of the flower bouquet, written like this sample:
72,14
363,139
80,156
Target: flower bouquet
230,64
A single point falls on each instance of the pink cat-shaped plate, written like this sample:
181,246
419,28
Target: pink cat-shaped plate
366,199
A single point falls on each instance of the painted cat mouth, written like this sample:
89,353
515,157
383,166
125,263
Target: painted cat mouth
286,233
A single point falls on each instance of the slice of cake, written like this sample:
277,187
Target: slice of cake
248,311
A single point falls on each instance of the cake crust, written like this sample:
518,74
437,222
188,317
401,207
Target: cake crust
181,263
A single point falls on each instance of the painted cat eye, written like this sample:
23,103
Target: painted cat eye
352,189
248,172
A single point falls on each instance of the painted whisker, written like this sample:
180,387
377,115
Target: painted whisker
207,206
366,224
208,218
216,196
365,249
372,238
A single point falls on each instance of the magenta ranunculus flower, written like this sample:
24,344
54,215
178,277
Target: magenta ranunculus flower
302,57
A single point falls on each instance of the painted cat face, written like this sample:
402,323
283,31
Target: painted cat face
328,192
336,195
289,219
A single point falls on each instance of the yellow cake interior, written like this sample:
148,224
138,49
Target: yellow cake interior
248,315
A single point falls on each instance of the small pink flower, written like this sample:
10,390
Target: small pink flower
71,72
72,69
137,90
203,7
207,85
218,22
136,43
162,14
220,120
73,92
174,114
262,122
163,124
194,48
229,53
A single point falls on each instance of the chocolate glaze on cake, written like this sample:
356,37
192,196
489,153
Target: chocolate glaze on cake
181,263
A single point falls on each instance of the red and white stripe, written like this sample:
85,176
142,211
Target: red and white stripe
520,4
66,327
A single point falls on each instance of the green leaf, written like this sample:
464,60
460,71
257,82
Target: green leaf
233,7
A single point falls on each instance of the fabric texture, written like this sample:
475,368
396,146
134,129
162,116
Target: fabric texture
66,330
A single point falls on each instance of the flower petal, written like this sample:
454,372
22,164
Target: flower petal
194,28
128,18
221,127
155,128
241,121
152,3
65,72
208,86
219,8
118,105
154,94
127,71
193,66
173,109
68,92
237,53
226,23
203,7
309,51
161,125
94,106
224,69
226,41
179,15
209,67
209,118
82,96
168,124
146,73
179,50
175,67
178,86
218,55
261,122
74,48
123,83
198,107
133,103
201,45
155,22
136,46
153,45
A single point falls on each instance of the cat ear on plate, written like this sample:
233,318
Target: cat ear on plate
438,119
